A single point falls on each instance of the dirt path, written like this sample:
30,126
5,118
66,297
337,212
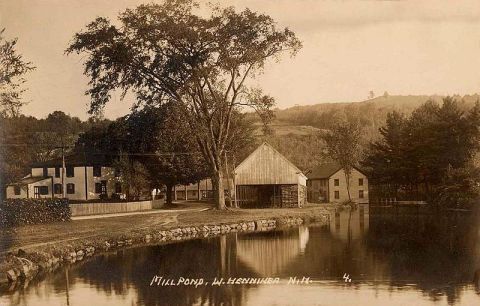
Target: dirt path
34,236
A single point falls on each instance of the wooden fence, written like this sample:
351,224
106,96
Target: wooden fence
84,209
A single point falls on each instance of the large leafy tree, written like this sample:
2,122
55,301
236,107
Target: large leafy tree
343,146
155,138
12,71
166,52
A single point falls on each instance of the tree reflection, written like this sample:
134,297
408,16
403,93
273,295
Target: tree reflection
436,255
206,259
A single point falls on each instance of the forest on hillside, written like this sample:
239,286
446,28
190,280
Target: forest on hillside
297,131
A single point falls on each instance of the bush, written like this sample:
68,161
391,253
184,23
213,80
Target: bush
114,197
15,212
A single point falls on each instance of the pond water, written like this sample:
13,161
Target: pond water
358,259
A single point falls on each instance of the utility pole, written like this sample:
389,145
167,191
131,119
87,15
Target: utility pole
63,171
228,178
234,182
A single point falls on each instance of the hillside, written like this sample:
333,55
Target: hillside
296,130
371,112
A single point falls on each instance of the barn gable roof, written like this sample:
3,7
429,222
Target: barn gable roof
272,166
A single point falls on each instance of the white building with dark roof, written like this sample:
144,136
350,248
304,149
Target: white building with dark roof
85,177
327,184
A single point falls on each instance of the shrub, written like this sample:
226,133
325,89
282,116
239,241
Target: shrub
15,212
114,197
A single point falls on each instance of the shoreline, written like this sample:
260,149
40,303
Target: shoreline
22,265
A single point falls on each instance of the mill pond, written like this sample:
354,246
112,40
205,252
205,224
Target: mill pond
359,259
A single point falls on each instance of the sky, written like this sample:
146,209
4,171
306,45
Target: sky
349,49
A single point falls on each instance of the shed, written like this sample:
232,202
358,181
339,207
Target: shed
267,179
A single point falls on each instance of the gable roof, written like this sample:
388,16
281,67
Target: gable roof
75,159
266,166
327,170
324,171
29,180
266,144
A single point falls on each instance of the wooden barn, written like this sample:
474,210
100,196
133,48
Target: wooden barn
267,179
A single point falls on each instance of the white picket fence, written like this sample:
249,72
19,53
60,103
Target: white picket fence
84,209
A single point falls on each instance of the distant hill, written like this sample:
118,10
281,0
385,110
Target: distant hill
389,101
308,119
297,130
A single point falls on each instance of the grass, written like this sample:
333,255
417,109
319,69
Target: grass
45,236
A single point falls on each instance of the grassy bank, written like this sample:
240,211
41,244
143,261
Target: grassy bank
49,245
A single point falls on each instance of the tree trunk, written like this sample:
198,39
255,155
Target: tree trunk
219,193
127,193
169,195
347,178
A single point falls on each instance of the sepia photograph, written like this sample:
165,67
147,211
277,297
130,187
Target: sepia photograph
239,152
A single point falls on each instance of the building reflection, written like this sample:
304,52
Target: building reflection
269,253
431,256
348,225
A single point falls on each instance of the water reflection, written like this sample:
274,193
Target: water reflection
393,260
270,253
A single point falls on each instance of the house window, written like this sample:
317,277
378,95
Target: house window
360,194
70,171
98,187
16,190
97,171
45,171
36,192
57,171
337,194
43,190
336,182
360,182
70,188
57,188
118,187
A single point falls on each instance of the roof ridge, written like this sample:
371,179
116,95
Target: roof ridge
276,151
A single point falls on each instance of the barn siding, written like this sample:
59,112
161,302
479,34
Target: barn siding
265,166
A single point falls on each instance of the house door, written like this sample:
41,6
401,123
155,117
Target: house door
104,187
36,192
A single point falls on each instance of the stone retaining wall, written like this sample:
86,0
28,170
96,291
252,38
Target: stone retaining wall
26,266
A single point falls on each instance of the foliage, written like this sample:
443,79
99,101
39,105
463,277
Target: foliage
134,176
14,212
343,145
12,71
422,153
460,189
165,52
158,138
304,151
